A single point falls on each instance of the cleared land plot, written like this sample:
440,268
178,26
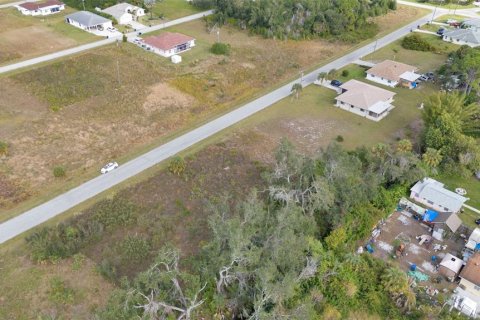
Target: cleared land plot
82,112
24,37
173,9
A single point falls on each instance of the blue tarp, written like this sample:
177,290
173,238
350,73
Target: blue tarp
477,247
430,215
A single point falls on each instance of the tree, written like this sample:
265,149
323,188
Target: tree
296,89
395,282
432,157
404,146
322,76
150,4
177,165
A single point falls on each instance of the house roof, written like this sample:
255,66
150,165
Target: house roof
434,191
409,76
471,272
167,40
390,70
452,263
363,95
39,5
465,35
87,18
120,9
453,222
472,23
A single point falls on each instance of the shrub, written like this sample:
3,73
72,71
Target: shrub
59,172
416,42
177,165
107,270
78,260
339,138
124,38
3,148
134,248
59,292
345,73
220,48
55,108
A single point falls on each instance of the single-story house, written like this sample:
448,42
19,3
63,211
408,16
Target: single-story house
450,266
433,194
365,100
469,37
472,245
124,12
40,8
88,21
391,73
168,44
467,294
471,24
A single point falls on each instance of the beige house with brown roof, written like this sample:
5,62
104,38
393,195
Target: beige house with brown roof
365,100
391,73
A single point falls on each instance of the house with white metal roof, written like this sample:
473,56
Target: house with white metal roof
469,37
393,73
124,12
433,194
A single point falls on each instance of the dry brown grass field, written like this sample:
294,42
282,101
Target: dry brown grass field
24,37
118,101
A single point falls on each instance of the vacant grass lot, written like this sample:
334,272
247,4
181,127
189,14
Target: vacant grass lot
24,37
116,102
453,5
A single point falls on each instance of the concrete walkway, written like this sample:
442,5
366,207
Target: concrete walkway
364,63
96,44
427,32
36,216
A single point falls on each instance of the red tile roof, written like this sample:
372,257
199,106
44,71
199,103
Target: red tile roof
167,40
38,5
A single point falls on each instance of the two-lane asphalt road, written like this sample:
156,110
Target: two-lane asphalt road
96,44
68,200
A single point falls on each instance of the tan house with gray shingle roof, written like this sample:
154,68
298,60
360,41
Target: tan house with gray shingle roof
365,100
392,73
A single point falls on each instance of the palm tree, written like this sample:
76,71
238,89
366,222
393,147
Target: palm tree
404,146
467,115
321,76
296,89
432,157
396,283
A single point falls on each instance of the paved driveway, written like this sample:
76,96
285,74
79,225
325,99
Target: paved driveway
68,200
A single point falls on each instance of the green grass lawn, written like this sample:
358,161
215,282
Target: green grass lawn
425,61
445,17
173,9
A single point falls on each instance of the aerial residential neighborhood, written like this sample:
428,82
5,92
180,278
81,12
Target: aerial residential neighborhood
218,159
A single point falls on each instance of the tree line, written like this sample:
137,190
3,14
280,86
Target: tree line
302,18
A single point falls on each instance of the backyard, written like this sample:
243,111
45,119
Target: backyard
24,37
118,102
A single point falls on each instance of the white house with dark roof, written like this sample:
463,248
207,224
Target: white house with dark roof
89,21
469,37
40,8
392,73
433,194
365,100
124,12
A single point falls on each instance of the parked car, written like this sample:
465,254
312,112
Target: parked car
336,83
111,29
423,78
477,221
451,21
441,31
109,167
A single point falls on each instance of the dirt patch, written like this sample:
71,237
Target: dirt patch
162,96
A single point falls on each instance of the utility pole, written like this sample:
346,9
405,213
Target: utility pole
375,46
433,15
83,2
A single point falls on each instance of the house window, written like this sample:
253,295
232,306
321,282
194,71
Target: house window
477,288
352,107
362,109
389,81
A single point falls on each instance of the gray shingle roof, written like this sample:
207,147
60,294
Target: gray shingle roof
465,35
472,23
87,18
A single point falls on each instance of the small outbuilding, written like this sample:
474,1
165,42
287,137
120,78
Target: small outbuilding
365,100
40,8
176,59
450,266
168,44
